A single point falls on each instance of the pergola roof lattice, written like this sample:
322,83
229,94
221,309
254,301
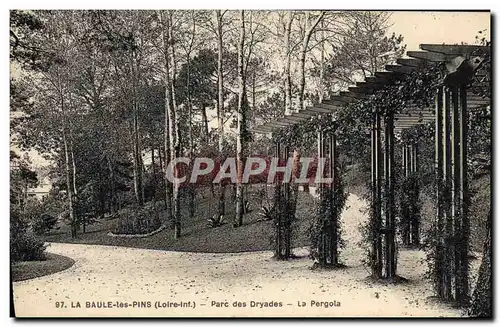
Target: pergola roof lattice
411,116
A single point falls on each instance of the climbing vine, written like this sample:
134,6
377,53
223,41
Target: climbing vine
331,203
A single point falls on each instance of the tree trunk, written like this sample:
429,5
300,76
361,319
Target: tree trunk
303,53
241,133
166,199
142,172
153,172
72,153
204,117
220,80
73,168
253,90
322,68
174,135
191,187
113,206
136,160
73,162
168,100
220,104
288,59
69,186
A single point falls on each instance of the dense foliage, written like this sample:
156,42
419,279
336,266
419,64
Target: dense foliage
139,220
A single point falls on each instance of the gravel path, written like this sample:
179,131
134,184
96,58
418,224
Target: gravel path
150,283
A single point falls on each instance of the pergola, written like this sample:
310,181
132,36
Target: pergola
454,96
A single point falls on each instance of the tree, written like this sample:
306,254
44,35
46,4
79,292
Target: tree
219,23
22,178
361,47
55,94
309,28
23,50
93,84
172,135
288,55
242,132
200,87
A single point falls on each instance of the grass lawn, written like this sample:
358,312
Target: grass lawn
30,269
197,236
256,235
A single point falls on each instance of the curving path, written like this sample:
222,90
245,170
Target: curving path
124,275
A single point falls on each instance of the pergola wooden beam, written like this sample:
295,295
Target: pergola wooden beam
277,124
327,106
301,114
415,113
430,56
337,100
478,102
390,75
262,130
264,127
291,118
334,102
379,80
458,50
361,90
401,69
420,114
409,124
410,62
474,97
414,121
371,85
316,109
402,128
350,96
285,120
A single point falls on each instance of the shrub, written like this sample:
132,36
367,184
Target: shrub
216,221
246,206
44,223
138,220
266,213
24,245
42,216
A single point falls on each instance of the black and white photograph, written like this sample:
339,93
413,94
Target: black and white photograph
250,163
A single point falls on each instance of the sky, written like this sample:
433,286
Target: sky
439,27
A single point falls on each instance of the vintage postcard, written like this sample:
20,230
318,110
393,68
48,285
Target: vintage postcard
250,163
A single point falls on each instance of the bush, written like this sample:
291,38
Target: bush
44,223
138,220
24,246
42,216
266,213
482,298
216,221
